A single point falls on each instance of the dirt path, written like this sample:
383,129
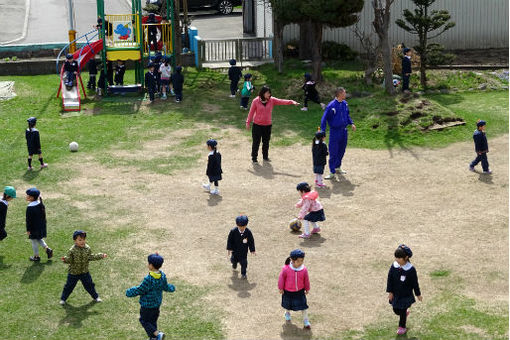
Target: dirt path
452,219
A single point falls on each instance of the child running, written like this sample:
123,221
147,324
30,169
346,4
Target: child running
78,258
246,91
213,168
311,93
151,296
481,148
319,154
240,239
294,285
33,143
311,209
36,223
402,280
9,194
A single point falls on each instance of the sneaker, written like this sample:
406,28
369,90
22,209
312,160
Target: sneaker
304,235
160,336
163,97
320,185
241,107
232,96
49,252
471,168
330,176
488,172
401,331
267,160
339,170
98,299
316,230
234,266
304,109
62,302
307,323
30,168
244,277
44,165
323,106
35,258
287,316
214,192
254,161
172,93
206,186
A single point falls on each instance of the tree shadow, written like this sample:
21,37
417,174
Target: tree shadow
4,266
315,240
76,315
214,200
33,272
292,332
241,286
393,137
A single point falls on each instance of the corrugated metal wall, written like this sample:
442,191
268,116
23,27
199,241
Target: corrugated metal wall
479,24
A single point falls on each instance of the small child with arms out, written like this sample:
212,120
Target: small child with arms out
78,258
33,143
213,168
402,280
9,194
311,210
151,295
294,285
240,239
311,93
246,91
319,154
36,223
481,148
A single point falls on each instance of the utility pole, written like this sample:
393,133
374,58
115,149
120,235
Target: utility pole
72,30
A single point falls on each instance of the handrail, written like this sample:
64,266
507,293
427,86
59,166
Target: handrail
81,49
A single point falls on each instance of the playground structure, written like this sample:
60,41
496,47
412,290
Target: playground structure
120,37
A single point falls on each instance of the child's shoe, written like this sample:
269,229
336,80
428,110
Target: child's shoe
488,172
44,165
307,323
160,336
172,93
401,331
320,185
330,176
323,106
49,252
341,171
30,168
35,258
304,235
214,192
232,96
316,230
206,186
244,277
62,302
304,109
163,96
287,316
471,168
98,299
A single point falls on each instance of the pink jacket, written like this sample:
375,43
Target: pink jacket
308,203
260,114
293,280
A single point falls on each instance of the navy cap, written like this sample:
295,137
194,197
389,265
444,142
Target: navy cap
406,249
308,76
34,192
156,260
32,120
247,76
320,134
212,142
242,220
69,56
79,233
407,49
178,69
302,186
297,253
481,123
232,62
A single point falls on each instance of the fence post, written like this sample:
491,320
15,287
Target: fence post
239,50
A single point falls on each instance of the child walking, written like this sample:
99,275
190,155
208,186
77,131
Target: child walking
481,148
294,285
165,70
177,80
36,223
402,280
9,194
213,168
151,82
311,93
92,66
78,258
120,69
33,143
151,295
240,239
319,154
246,91
311,210
234,75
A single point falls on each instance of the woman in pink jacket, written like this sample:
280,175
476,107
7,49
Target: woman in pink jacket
260,113
311,210
294,284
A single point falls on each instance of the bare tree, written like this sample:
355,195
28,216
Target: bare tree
381,25
372,51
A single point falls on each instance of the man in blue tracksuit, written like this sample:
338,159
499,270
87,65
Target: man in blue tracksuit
337,116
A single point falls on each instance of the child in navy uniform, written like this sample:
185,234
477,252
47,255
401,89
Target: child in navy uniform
311,210
481,148
177,80
92,66
151,82
402,280
36,223
311,93
120,69
9,194
234,74
70,70
213,168
406,69
33,143
151,295
240,239
319,154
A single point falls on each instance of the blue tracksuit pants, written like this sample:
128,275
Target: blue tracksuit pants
337,145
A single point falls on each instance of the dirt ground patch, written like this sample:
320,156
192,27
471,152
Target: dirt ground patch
453,219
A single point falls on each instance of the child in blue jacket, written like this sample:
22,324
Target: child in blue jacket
151,295
481,148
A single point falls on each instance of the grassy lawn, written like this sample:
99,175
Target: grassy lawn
125,122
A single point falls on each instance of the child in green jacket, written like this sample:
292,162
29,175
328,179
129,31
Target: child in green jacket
246,91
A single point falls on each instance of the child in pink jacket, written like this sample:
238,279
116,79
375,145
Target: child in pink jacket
294,284
311,209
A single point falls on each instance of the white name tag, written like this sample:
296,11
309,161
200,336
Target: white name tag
402,278
245,240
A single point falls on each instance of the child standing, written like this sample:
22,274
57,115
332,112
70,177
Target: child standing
36,223
78,258
246,91
151,296
406,69
120,69
177,80
33,143
92,66
165,70
234,74
151,82
240,239
481,148
311,209
402,280
213,167
311,92
70,70
294,285
9,194
319,153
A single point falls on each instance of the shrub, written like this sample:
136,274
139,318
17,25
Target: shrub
335,51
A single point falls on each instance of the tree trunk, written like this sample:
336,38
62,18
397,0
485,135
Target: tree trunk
186,23
369,71
278,43
387,66
316,51
305,40
178,31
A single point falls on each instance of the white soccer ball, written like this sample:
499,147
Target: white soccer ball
73,146
396,82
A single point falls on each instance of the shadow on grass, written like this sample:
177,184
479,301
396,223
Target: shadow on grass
214,200
29,175
292,332
393,137
33,272
4,266
76,315
241,286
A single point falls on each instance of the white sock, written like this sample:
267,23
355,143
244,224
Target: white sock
305,314
306,224
319,178
314,225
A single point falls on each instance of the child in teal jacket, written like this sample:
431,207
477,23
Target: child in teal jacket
246,91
